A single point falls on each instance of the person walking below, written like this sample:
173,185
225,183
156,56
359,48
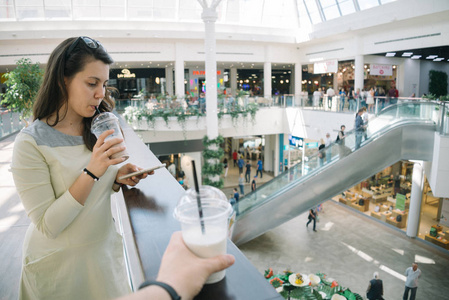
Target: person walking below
375,289
327,143
241,164
241,184
259,168
411,283
225,166
312,216
321,153
235,156
248,171
237,198
253,184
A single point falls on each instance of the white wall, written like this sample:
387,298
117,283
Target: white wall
437,171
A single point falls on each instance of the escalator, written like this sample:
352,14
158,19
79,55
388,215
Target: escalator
400,132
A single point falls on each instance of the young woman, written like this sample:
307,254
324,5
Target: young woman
65,176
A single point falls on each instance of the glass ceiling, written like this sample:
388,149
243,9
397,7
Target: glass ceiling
260,13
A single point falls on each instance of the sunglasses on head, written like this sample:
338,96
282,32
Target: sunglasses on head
91,43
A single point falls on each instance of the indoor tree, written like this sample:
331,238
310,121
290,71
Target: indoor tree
22,85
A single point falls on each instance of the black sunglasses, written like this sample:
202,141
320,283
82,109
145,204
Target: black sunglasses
91,43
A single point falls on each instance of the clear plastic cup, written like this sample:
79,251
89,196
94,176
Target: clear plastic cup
216,211
106,121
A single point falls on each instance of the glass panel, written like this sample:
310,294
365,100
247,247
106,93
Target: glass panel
29,2
279,14
346,7
365,4
313,11
86,2
63,3
36,12
112,13
112,3
140,3
140,13
232,12
81,13
7,13
57,12
165,4
330,9
404,111
386,1
6,2
164,14
304,20
190,10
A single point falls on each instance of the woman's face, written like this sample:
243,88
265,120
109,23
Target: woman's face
86,89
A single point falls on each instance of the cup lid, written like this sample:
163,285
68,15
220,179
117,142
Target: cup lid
104,116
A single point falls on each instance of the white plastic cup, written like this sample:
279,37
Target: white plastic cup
216,211
106,121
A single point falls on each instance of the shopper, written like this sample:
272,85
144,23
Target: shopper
225,166
253,184
241,164
235,157
375,289
327,143
342,149
342,99
259,168
365,123
241,184
312,217
359,129
237,198
321,152
248,171
65,176
411,283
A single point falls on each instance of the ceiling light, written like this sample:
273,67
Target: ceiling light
407,54
439,59
431,56
416,57
390,54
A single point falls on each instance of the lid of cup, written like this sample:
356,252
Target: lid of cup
104,116
206,192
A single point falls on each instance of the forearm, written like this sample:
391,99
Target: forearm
148,293
82,187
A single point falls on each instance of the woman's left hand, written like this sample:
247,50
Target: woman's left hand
130,168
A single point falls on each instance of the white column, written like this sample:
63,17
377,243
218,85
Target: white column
276,155
169,80
179,71
298,83
267,80
415,200
233,81
358,72
209,17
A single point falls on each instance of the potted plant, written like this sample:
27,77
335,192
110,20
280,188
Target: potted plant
22,86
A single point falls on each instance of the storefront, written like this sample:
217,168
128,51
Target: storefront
386,197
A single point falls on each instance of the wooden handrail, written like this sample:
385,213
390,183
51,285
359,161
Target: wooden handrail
150,208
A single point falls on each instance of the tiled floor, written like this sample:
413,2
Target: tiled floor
348,246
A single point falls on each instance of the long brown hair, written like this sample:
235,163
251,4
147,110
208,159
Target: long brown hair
52,95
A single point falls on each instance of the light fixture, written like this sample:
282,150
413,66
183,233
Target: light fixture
286,81
431,56
390,54
158,80
394,67
416,57
407,54
282,81
439,59
365,66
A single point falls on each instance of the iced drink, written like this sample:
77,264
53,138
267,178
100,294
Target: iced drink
106,121
216,211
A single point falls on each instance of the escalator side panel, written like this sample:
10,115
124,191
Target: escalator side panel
406,142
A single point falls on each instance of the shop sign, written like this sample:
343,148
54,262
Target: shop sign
329,66
400,201
296,141
382,70
202,72
312,145
126,74
444,218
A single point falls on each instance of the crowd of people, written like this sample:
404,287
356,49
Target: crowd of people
349,97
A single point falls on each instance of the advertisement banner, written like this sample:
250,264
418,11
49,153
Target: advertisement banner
329,66
382,70
400,201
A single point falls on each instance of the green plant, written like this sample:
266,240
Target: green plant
212,167
438,83
22,86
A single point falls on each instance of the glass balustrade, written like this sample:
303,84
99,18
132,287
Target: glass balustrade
389,117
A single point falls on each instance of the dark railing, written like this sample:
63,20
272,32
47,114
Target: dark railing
149,208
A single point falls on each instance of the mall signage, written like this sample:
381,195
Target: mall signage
328,66
126,74
296,141
382,70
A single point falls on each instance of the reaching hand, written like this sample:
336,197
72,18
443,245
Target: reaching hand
130,168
